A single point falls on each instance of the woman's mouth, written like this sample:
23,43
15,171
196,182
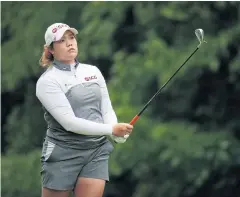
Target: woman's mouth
71,50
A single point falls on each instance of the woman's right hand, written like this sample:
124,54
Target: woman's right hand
121,129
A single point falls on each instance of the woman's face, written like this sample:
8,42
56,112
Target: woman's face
66,49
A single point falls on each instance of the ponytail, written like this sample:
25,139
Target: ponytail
47,57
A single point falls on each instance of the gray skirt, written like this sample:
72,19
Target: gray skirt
61,167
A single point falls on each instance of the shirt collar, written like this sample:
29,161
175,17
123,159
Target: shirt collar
62,66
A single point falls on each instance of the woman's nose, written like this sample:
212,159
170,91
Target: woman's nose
69,43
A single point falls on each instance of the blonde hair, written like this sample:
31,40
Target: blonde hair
47,57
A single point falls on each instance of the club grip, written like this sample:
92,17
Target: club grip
134,120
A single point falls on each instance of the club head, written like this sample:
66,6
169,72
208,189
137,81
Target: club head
200,35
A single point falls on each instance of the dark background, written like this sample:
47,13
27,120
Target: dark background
187,142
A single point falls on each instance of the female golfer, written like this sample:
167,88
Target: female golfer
79,117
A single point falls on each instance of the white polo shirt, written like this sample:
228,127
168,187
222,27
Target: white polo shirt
77,106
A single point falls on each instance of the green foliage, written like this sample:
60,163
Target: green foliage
170,156
187,135
23,135
21,175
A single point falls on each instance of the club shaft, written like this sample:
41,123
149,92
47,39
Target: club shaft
147,104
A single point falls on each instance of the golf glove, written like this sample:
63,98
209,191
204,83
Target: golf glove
119,140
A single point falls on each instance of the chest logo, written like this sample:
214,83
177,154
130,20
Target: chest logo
90,78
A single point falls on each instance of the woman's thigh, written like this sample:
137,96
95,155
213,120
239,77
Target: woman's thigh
94,174
89,187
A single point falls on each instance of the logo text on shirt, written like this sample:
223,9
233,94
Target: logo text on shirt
90,78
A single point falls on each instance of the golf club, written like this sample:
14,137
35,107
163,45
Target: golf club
200,35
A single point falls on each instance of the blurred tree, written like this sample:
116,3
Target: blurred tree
187,142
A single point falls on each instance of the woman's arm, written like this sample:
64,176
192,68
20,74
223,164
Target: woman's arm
56,103
109,115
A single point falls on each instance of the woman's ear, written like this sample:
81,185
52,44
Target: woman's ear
51,51
48,52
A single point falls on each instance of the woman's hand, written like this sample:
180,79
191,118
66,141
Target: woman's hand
122,129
